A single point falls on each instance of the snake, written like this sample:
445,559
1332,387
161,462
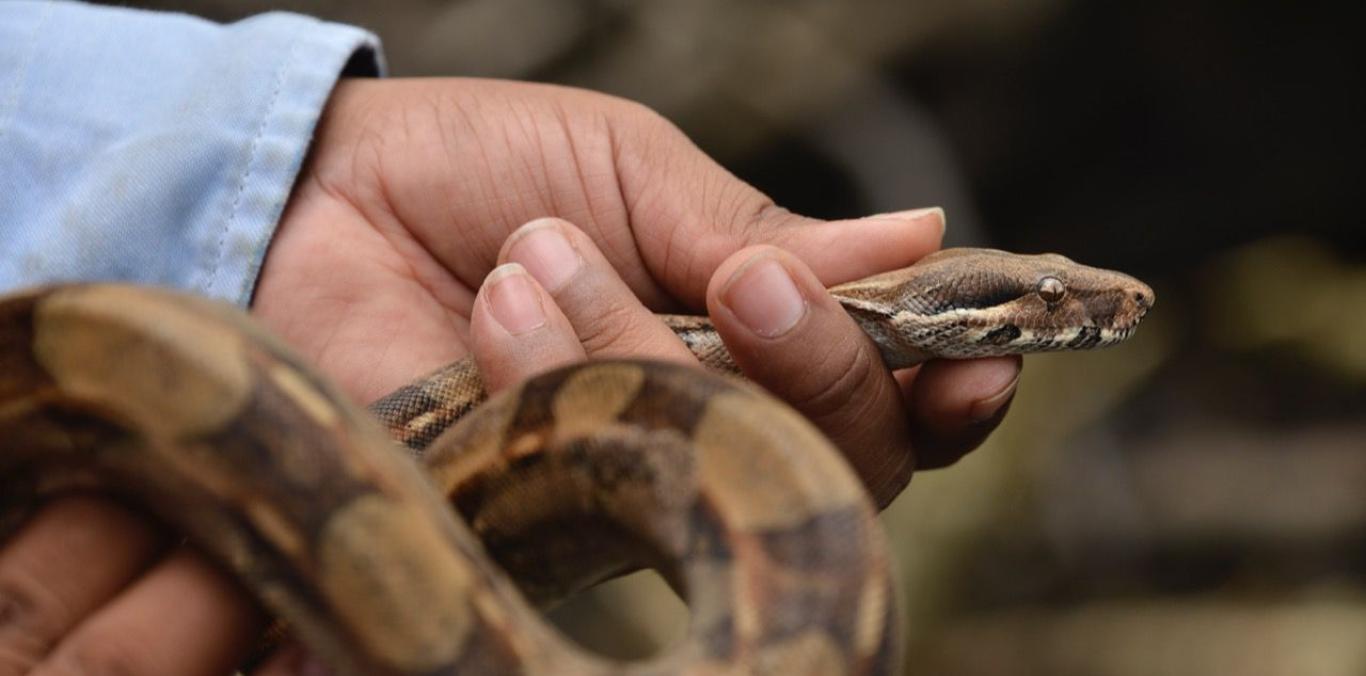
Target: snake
426,535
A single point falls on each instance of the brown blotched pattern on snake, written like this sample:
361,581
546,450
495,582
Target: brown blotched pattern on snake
186,408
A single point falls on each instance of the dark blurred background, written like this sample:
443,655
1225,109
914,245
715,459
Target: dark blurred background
1193,502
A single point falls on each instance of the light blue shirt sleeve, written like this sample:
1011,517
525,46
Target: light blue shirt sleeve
156,148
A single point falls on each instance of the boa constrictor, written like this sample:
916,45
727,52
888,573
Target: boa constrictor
184,407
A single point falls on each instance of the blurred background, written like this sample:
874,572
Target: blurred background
1193,502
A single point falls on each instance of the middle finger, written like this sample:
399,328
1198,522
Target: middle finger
606,315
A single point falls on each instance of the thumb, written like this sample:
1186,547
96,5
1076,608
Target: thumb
689,214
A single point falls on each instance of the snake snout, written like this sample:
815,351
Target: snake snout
1143,297
1138,299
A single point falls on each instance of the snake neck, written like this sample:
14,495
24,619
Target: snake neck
894,342
901,343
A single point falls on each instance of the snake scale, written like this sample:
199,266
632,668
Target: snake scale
185,408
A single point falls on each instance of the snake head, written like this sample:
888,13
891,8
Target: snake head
963,303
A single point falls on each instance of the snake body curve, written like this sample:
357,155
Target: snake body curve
186,408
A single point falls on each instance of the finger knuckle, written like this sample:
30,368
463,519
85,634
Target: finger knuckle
637,128
839,379
610,329
30,615
95,654
739,209
637,113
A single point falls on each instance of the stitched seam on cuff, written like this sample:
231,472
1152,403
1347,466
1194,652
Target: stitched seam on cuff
10,103
285,65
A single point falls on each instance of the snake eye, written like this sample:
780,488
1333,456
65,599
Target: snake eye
1051,289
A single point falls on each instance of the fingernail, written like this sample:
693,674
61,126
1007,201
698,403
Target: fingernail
763,297
986,409
513,299
933,215
547,255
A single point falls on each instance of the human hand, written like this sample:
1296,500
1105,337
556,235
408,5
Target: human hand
406,203
414,187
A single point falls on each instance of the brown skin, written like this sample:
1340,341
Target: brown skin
412,190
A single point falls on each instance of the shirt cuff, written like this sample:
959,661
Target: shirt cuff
156,148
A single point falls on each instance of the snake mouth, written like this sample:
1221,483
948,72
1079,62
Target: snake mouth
1130,324
1124,331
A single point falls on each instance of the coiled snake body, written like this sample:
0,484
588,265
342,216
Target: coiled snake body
184,407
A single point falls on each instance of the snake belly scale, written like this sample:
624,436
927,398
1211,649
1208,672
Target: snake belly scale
185,408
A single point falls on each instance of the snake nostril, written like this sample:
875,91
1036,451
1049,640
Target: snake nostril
1141,298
